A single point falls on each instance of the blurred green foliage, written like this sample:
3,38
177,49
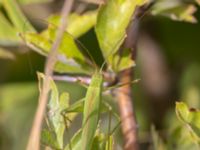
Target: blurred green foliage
180,45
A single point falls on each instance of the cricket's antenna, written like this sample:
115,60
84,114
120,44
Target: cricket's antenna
85,48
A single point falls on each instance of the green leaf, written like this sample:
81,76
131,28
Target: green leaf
16,16
99,142
112,21
67,46
182,111
70,59
190,117
54,115
79,105
78,24
76,107
55,107
123,61
110,143
37,42
49,138
71,67
75,142
180,138
5,54
176,10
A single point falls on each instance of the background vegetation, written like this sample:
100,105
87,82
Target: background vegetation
168,62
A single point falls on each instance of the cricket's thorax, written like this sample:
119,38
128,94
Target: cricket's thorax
97,80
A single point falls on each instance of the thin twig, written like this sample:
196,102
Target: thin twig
85,80
34,139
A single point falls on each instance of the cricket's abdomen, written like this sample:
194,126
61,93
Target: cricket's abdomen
91,110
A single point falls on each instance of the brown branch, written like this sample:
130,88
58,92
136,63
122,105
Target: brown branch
128,120
34,139
124,95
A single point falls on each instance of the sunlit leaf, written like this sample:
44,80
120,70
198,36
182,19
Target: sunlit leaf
73,68
110,143
37,42
176,10
181,139
49,138
55,108
112,21
99,142
182,111
77,24
190,117
123,61
67,46
69,58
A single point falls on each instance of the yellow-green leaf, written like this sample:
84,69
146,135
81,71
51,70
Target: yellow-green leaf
70,59
190,117
176,10
49,138
123,61
55,107
78,24
112,21
182,111
110,143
